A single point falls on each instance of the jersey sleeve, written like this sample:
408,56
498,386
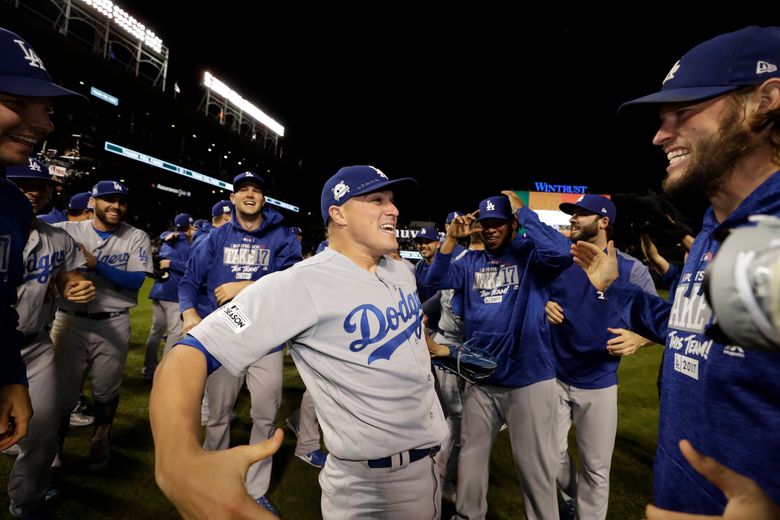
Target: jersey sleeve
289,254
552,250
74,258
198,265
141,254
263,316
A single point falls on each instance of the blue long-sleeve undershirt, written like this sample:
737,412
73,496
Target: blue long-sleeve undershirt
132,280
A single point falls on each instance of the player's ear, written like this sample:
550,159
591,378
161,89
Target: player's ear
769,92
233,198
336,214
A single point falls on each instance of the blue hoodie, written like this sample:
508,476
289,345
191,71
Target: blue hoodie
232,254
504,295
725,399
178,252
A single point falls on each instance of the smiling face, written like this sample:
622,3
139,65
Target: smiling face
109,211
24,121
427,248
703,142
585,225
38,192
370,222
496,233
248,199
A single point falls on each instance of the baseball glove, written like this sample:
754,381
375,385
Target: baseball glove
470,363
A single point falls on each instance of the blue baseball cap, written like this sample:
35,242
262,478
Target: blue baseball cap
33,170
725,63
106,188
427,234
247,177
497,206
295,230
351,181
223,206
201,223
451,216
22,72
79,201
182,221
597,204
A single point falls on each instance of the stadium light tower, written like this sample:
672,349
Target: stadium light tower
232,110
110,31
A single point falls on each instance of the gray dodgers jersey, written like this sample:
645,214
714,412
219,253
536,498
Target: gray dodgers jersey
48,251
127,249
356,338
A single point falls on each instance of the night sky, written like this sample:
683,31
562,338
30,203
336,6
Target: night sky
439,95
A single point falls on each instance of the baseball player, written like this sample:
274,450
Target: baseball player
504,292
354,321
78,209
52,259
719,130
221,214
253,244
26,95
164,294
450,332
589,336
96,335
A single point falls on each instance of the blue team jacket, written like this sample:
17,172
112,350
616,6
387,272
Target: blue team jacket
16,216
504,297
232,254
580,342
178,252
725,399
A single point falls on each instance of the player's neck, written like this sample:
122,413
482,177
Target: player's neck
363,259
249,222
749,174
99,225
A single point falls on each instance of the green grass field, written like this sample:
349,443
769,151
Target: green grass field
126,489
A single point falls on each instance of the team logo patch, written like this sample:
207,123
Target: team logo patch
671,73
339,190
233,314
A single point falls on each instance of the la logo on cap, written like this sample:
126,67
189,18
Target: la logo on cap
117,186
30,55
490,206
341,189
670,75
580,199
33,165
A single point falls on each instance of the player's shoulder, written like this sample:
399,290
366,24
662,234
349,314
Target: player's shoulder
54,231
126,229
625,257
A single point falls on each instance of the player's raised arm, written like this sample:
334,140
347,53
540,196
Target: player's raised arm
200,484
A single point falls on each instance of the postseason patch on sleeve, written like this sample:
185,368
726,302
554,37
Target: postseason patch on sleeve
233,314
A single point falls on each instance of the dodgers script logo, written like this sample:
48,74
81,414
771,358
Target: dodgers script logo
374,325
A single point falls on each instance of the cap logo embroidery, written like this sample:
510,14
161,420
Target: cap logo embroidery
117,186
378,172
225,209
580,199
669,76
341,189
33,165
30,55
604,210
764,67
490,206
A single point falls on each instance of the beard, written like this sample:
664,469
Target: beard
586,232
712,161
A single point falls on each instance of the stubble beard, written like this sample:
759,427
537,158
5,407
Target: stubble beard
712,162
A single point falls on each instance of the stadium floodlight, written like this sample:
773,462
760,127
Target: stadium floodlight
127,23
217,86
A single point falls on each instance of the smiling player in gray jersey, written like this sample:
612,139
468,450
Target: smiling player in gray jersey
97,334
355,325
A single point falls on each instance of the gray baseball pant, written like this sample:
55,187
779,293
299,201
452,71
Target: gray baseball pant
594,414
264,379
351,490
165,318
450,394
308,426
100,345
530,414
31,473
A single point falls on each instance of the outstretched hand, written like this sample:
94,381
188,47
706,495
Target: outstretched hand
746,500
460,227
601,268
211,484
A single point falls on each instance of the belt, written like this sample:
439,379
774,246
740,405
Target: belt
94,315
413,455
